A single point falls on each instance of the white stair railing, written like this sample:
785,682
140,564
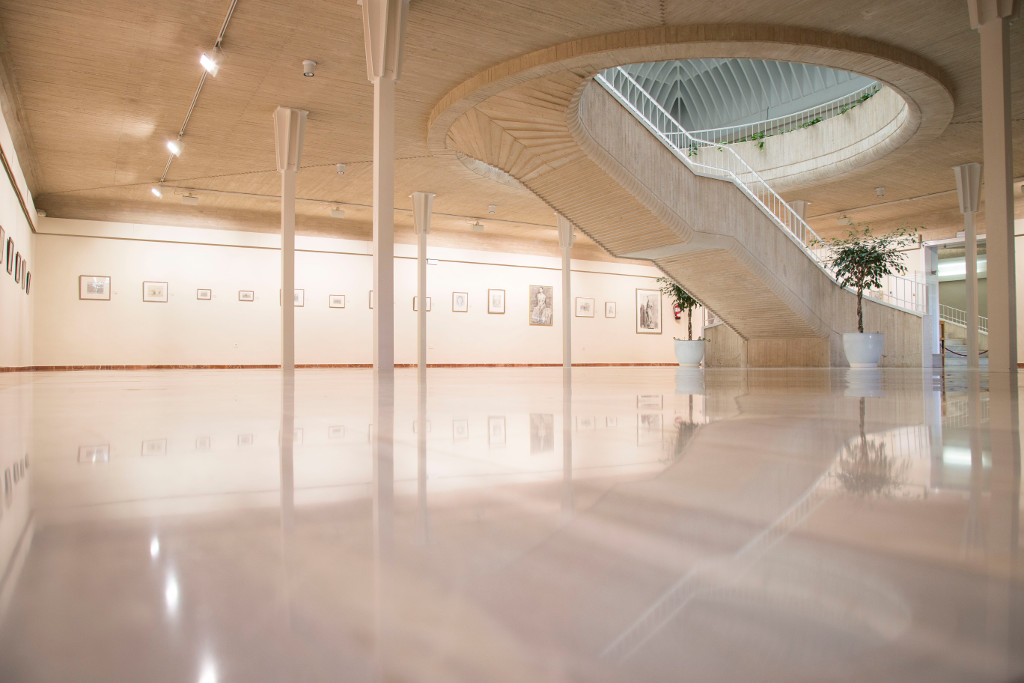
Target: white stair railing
760,130
702,158
959,317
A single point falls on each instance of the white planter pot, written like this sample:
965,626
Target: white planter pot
689,353
863,349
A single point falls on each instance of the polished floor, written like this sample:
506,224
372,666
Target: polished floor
632,524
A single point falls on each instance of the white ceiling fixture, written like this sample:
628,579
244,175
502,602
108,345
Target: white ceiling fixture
190,200
476,226
308,68
211,64
337,212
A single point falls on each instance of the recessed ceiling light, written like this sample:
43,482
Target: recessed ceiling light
175,147
341,169
880,191
210,64
156,192
337,213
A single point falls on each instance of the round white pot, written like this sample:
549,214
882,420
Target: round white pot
689,353
863,349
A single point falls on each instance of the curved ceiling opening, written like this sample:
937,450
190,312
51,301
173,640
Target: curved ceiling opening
702,94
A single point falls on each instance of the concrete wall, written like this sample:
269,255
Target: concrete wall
223,330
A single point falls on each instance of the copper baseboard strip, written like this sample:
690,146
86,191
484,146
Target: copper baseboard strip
73,368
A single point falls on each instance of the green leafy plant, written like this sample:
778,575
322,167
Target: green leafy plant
860,260
681,298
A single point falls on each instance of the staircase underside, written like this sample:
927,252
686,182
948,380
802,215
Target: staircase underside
566,139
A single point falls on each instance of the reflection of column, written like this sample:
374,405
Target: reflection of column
289,127
287,447
968,180
421,460
565,240
568,502
990,17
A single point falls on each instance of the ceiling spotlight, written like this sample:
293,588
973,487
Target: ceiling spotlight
880,191
156,192
210,64
308,68
337,213
190,199
341,169
175,147
476,226
491,208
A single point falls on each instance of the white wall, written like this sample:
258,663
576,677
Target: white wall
186,331
15,306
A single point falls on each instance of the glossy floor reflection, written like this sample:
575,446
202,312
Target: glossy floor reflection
640,524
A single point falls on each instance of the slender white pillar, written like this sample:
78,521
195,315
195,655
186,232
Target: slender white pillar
990,18
422,205
968,180
565,240
289,128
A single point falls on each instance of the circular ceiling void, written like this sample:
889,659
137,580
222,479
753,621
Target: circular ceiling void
790,122
915,96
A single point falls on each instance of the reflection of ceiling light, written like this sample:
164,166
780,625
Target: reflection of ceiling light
156,192
337,213
880,191
154,548
190,200
210,64
209,674
476,226
341,169
175,147
171,594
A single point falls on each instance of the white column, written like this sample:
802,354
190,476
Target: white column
968,180
383,34
422,205
990,18
565,240
930,321
289,128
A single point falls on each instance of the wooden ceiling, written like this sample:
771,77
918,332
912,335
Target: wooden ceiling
93,90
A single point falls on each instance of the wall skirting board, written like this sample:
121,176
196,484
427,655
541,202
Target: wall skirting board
74,368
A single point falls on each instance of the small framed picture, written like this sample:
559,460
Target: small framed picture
416,427
3,242
245,440
154,447
246,295
96,287
584,307
460,430
10,255
336,301
416,303
611,421
335,432
585,423
496,430
299,299
154,292
17,267
94,454
496,301
460,302
28,283
203,443
649,402
541,302
204,294
371,299
609,309
648,311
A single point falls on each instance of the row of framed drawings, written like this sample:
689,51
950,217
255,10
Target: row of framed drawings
17,267
541,301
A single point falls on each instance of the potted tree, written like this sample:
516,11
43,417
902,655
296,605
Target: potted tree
689,351
860,261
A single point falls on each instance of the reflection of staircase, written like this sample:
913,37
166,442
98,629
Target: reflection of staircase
955,337
571,143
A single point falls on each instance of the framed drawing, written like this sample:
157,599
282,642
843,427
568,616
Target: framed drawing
585,423
336,301
299,298
95,287
245,440
416,304
204,294
648,311
496,430
28,282
155,292
93,454
336,432
203,443
246,295
3,242
460,302
584,307
10,255
154,447
371,299
17,267
609,309
649,402
541,311
460,430
496,301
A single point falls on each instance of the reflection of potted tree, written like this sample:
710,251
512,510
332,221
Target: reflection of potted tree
865,468
860,261
689,351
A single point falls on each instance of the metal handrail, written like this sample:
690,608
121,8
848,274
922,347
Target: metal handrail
959,317
903,293
758,130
